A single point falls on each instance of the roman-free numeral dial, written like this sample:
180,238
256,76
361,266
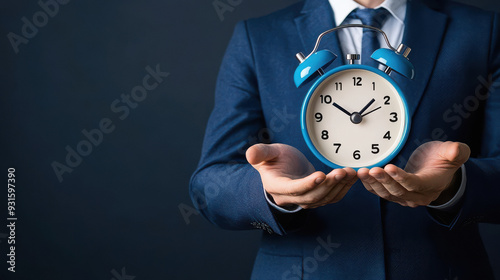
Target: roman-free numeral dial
355,117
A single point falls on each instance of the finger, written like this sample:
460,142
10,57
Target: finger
334,184
261,152
455,152
317,196
413,185
345,189
378,188
297,187
351,173
340,195
291,191
363,175
391,185
349,179
407,180
338,178
398,192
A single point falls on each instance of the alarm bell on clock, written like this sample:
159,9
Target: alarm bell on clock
354,115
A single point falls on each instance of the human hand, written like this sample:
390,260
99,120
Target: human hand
291,179
427,176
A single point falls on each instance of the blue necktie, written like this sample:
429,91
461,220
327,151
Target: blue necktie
375,18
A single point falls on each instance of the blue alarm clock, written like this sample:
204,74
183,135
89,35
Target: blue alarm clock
354,115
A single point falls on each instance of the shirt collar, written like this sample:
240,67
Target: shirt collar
342,8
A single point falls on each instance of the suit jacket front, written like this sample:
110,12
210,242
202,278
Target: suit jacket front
454,96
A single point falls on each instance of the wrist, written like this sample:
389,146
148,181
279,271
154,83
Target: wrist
451,190
287,207
292,208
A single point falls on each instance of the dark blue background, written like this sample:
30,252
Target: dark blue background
119,208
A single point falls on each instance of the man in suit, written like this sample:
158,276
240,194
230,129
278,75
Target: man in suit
415,218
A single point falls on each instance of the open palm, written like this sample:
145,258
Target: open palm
291,179
430,170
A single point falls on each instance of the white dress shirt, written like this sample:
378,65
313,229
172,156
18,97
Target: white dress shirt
350,38
350,42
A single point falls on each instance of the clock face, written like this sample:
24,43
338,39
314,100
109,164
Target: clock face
355,117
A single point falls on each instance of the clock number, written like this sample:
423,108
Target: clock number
387,135
357,81
324,135
375,149
338,85
387,99
326,99
373,83
318,116
356,155
338,147
394,117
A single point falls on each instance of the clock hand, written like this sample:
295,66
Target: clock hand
341,109
366,107
372,111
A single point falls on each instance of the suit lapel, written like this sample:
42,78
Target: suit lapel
424,32
315,18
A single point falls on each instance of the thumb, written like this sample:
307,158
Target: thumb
456,152
262,152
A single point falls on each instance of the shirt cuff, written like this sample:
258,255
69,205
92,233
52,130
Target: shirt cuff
290,209
450,204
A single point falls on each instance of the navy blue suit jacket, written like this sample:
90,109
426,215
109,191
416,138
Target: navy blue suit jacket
455,96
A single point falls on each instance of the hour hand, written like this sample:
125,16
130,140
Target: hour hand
341,109
367,106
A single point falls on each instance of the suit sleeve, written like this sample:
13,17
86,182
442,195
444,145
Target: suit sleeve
225,188
481,201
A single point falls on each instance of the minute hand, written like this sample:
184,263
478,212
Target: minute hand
367,106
